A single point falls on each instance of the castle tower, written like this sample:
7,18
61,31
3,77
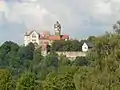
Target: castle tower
57,28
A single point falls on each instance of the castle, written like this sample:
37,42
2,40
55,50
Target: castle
45,38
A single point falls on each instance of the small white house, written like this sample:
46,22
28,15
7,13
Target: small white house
86,46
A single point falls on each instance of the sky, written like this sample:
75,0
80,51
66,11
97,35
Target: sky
79,18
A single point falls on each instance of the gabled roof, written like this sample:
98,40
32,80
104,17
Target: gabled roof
29,33
89,44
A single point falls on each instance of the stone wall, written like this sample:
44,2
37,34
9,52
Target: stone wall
72,55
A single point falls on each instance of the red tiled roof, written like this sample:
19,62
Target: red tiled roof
42,38
63,37
44,35
54,38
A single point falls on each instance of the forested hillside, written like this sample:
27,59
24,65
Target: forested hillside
24,68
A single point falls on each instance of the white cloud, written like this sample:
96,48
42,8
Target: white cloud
32,14
76,16
102,8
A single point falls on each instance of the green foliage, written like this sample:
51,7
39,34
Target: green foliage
26,81
81,61
5,52
37,59
70,45
60,80
116,27
26,52
51,60
82,77
6,82
99,70
91,38
37,55
64,61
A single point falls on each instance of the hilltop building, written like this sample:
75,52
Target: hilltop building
45,38
87,46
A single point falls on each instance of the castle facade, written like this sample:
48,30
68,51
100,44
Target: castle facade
45,38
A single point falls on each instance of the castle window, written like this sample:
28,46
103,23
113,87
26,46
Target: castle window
34,40
33,36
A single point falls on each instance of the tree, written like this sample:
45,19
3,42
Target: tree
51,60
9,46
81,61
6,82
9,56
76,45
64,61
70,45
63,80
116,27
37,58
81,77
7,50
91,38
26,81
26,52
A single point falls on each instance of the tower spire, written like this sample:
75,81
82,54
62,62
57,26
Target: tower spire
57,28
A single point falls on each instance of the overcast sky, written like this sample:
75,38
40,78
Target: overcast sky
79,18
